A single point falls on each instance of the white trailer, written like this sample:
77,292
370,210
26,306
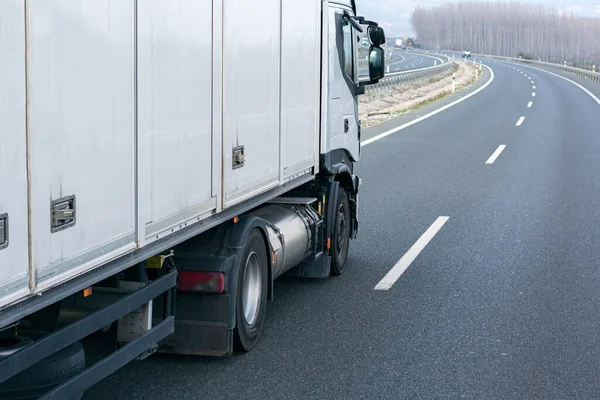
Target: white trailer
172,157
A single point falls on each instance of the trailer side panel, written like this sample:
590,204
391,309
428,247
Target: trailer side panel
251,79
82,135
174,114
300,85
14,275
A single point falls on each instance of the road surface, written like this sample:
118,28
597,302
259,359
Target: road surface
476,273
408,60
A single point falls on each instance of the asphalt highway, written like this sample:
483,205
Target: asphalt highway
476,273
406,61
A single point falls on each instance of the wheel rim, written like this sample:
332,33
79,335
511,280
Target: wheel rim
341,231
252,289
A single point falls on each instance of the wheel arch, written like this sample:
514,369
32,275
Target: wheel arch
236,241
213,316
348,182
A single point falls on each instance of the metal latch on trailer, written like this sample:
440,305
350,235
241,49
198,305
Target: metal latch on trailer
3,231
62,213
238,158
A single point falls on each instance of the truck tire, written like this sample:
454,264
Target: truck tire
46,374
251,297
340,241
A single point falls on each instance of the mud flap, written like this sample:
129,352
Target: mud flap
199,338
204,323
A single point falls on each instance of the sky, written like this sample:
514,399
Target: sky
394,15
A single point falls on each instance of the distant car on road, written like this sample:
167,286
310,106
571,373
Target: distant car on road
467,54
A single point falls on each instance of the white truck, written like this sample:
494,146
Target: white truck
162,162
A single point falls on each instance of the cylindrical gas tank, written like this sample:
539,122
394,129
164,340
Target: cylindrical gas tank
290,228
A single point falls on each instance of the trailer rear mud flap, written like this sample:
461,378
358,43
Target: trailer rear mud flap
199,338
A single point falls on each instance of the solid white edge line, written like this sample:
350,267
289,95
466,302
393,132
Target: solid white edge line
431,114
397,62
592,95
407,259
496,154
520,121
530,104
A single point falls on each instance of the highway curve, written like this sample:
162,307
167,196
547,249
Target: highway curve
475,274
408,60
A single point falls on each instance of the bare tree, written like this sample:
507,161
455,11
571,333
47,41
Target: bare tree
510,28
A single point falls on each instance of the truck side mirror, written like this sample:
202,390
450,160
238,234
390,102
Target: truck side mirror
376,64
377,35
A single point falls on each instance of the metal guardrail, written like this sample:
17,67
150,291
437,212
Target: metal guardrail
584,73
407,77
433,55
404,78
593,76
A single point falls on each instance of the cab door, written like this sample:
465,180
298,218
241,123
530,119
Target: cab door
343,75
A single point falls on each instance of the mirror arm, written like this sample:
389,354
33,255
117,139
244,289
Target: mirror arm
362,86
360,89
363,21
353,22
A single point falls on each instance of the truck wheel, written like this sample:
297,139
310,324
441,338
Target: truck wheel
340,242
46,374
251,299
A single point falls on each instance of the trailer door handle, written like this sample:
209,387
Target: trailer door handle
62,212
3,231
238,157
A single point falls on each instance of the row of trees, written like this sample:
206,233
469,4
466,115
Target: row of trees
509,29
